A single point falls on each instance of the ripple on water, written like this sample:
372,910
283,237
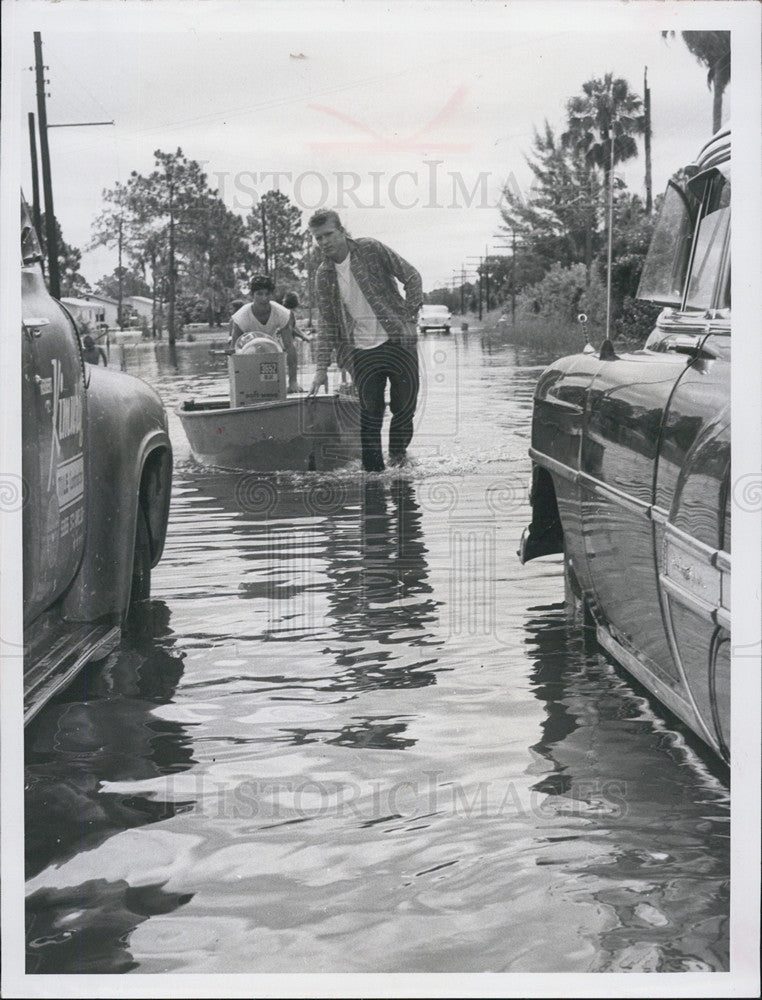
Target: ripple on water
356,735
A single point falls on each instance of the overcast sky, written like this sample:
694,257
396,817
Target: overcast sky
419,113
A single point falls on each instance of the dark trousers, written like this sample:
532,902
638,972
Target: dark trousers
370,370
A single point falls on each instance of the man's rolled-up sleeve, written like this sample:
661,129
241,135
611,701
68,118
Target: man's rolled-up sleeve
409,277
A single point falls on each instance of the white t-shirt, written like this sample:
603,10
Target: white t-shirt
247,322
366,329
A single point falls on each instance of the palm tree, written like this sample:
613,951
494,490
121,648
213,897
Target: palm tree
603,121
712,49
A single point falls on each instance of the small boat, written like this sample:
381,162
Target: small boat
263,428
300,432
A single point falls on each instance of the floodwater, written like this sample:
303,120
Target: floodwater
354,734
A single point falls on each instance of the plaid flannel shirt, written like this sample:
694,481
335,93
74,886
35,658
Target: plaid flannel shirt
374,267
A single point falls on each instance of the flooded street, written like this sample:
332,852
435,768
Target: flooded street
354,734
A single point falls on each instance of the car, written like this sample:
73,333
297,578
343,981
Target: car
434,317
97,470
631,466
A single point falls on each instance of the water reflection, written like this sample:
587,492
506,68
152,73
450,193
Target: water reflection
85,928
377,568
612,762
343,559
364,734
101,730
377,785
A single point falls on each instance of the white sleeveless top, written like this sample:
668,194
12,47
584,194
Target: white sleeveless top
247,322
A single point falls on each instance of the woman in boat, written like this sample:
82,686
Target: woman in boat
264,318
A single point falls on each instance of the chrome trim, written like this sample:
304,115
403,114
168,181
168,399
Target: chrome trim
659,515
611,492
705,550
553,465
688,598
715,613
36,699
721,617
721,560
685,710
709,557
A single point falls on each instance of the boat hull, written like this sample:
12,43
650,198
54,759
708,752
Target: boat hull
301,433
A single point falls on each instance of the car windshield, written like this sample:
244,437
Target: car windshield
436,310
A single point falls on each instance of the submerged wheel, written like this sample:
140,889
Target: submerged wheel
140,586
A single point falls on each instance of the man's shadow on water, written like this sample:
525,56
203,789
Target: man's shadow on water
101,729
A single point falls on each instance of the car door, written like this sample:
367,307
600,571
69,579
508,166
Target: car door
692,498
625,407
691,517
53,428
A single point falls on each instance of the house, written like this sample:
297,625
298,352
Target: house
142,305
95,310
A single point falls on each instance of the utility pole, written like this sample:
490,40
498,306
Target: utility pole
47,186
610,239
171,261
486,277
35,174
457,281
480,273
513,278
264,233
647,114
504,246
309,281
51,237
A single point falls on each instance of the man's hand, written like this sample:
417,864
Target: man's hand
319,379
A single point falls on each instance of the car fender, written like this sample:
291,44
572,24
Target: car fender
128,463
559,412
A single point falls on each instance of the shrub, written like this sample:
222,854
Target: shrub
636,320
557,296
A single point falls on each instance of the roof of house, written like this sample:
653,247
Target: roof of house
71,300
138,298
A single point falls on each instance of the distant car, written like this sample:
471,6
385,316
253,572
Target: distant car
631,466
97,470
434,318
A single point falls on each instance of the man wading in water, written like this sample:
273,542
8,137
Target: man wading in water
371,327
268,319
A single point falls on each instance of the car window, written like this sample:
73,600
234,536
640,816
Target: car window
710,244
30,246
664,271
